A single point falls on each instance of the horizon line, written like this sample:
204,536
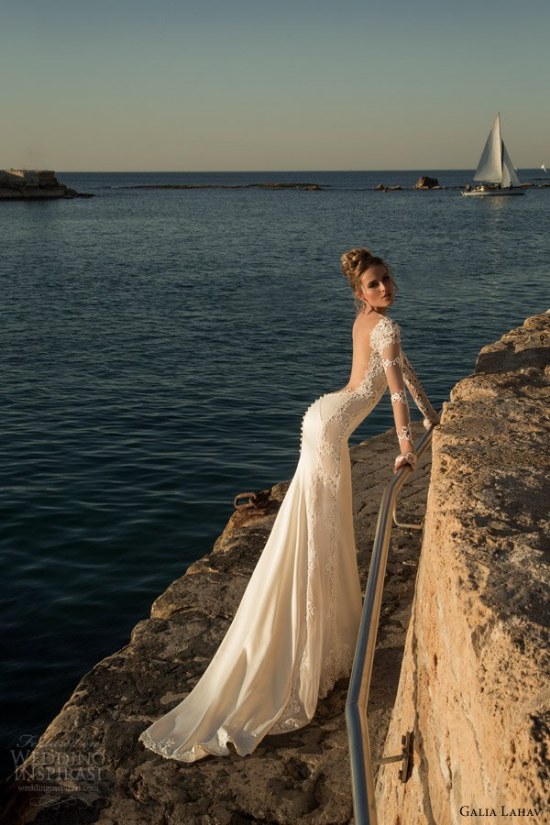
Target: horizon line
255,171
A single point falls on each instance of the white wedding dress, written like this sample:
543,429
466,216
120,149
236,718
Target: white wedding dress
294,633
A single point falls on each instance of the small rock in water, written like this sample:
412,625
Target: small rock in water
426,182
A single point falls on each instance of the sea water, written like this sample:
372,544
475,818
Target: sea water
160,347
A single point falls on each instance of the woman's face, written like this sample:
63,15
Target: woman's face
377,287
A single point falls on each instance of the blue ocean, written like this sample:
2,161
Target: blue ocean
160,348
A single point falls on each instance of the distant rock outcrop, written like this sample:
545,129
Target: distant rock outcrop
426,182
27,184
383,188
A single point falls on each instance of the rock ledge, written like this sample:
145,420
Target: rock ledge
474,682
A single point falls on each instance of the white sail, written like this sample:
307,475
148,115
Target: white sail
495,165
509,177
489,168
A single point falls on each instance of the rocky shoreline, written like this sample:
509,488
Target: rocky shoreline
462,649
424,184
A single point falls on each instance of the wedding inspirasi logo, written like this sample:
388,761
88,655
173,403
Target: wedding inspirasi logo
52,772
500,810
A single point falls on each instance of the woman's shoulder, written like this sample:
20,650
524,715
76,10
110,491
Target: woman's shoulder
385,331
368,323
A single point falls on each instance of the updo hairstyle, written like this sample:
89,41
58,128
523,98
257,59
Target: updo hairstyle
354,264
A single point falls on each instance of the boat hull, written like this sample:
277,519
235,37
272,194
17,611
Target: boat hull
493,193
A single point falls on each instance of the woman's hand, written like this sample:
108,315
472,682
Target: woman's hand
409,458
431,422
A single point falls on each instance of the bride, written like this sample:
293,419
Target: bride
294,633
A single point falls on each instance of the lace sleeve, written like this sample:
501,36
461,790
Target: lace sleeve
386,340
417,393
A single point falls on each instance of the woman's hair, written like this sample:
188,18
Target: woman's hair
355,263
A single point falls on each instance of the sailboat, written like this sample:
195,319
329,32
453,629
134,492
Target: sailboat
495,170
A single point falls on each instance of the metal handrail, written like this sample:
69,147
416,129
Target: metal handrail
359,686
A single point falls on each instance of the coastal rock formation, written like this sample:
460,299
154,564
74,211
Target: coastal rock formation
27,184
426,182
474,683
98,772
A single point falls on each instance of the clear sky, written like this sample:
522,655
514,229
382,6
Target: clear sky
185,85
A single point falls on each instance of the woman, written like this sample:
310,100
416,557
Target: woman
294,632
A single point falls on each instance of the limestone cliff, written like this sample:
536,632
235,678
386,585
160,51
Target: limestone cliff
474,683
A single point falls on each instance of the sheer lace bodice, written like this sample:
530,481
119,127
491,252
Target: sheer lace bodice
388,367
295,629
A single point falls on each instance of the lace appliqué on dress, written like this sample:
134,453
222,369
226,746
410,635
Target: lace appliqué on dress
400,396
385,333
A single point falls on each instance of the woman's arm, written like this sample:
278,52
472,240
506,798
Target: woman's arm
387,341
417,392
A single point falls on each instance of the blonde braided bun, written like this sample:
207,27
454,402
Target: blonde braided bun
355,263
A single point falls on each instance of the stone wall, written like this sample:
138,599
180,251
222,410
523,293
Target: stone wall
474,686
